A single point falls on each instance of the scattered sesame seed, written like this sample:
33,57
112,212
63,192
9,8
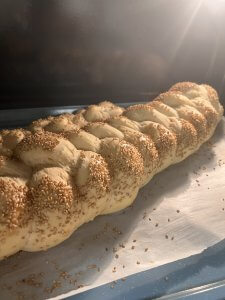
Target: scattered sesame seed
92,266
80,286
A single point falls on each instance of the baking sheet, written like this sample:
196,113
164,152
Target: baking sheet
179,213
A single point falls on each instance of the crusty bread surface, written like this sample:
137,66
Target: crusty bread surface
63,171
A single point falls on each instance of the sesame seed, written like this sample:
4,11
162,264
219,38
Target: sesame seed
14,203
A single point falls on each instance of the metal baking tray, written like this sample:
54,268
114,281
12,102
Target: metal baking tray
201,276
22,117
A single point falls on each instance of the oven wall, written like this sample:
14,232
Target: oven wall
65,52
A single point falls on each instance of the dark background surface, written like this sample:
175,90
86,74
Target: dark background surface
69,52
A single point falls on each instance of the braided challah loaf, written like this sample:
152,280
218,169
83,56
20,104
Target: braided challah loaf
64,171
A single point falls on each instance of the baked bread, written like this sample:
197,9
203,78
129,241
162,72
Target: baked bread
64,171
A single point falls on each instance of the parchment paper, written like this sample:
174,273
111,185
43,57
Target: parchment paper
179,213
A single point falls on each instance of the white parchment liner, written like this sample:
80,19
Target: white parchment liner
179,213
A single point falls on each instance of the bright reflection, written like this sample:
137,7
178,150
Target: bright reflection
187,27
214,5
